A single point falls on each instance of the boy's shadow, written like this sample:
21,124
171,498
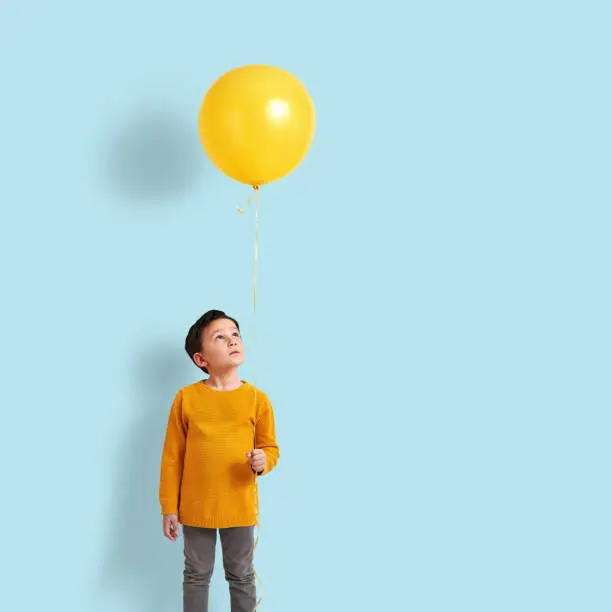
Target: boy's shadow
141,566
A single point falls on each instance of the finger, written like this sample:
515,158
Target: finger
169,528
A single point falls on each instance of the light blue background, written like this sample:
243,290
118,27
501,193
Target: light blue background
434,315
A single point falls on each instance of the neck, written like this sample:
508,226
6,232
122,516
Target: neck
224,381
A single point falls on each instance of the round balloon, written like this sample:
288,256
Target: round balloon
256,123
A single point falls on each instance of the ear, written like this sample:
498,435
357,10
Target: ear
200,361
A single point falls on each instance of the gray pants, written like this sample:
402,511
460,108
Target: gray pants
237,545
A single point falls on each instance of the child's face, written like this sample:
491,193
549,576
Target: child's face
222,347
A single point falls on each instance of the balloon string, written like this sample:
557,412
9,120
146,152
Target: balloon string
255,487
256,257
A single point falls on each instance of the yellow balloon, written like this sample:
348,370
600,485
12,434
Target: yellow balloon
256,123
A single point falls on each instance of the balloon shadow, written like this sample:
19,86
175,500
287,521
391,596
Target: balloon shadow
155,155
141,567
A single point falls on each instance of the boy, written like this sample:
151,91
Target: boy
209,464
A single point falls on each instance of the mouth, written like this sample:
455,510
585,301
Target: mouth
233,353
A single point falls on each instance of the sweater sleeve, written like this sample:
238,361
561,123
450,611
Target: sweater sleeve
173,456
265,434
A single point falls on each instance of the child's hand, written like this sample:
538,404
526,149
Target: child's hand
257,459
171,528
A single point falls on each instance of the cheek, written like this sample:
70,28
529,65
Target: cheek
214,352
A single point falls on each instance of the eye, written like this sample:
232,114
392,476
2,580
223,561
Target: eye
219,337
236,335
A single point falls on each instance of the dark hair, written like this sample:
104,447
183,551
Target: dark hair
193,341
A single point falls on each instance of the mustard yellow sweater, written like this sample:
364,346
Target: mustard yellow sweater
205,475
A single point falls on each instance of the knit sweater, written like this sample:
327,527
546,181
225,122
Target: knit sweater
205,475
